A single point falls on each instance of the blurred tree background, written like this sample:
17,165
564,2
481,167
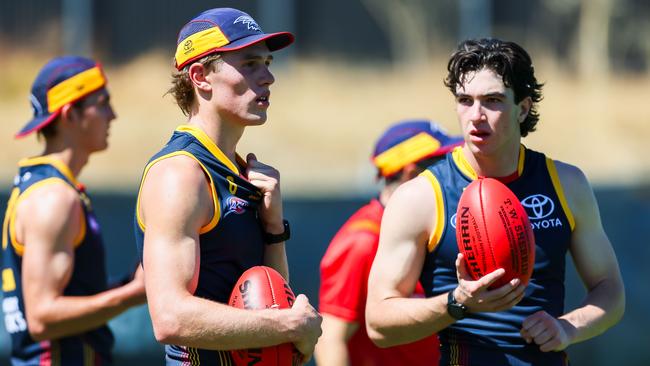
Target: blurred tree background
357,66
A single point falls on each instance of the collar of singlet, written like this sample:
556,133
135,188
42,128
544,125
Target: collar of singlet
56,163
466,168
212,147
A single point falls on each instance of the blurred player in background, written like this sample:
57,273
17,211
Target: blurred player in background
401,153
56,300
496,95
204,215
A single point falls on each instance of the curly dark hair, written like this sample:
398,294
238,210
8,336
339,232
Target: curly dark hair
182,89
507,59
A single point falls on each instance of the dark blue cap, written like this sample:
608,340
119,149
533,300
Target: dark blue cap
61,81
220,30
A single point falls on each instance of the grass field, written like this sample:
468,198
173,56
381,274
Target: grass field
325,116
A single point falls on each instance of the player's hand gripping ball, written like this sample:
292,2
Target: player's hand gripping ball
264,288
493,231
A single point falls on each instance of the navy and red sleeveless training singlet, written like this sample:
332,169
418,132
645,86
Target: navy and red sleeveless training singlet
91,348
230,244
493,338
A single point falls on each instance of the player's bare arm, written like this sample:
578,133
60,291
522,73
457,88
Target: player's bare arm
54,215
171,261
267,179
332,347
597,266
405,229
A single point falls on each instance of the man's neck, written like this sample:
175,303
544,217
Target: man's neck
225,135
499,164
70,156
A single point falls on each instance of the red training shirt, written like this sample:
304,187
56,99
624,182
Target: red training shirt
344,270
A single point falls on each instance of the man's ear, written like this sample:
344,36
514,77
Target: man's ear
68,113
198,73
524,106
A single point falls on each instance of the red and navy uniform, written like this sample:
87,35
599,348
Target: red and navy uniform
493,338
88,276
230,243
344,269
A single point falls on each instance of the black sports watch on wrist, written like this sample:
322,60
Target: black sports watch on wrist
455,310
278,238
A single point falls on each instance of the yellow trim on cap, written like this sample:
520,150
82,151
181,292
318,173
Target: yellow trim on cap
199,43
555,178
408,151
209,144
466,168
436,235
75,88
215,198
49,160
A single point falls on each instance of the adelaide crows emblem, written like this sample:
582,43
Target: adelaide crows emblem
250,23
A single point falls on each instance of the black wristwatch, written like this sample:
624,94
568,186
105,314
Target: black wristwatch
278,238
456,310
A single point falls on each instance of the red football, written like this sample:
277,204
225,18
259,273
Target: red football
264,288
493,231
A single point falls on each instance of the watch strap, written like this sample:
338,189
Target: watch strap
278,238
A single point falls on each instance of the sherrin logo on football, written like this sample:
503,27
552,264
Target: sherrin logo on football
493,231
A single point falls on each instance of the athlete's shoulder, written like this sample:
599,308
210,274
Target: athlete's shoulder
51,207
412,207
175,188
52,193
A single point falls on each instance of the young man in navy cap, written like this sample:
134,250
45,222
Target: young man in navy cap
204,215
56,300
496,94
401,153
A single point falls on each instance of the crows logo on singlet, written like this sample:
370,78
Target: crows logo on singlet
235,205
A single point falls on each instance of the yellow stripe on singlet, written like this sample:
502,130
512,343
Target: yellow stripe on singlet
207,142
89,355
19,247
215,199
8,213
466,168
555,178
49,160
439,224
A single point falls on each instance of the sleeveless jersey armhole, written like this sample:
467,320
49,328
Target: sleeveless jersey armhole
19,196
436,235
8,214
213,192
555,178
